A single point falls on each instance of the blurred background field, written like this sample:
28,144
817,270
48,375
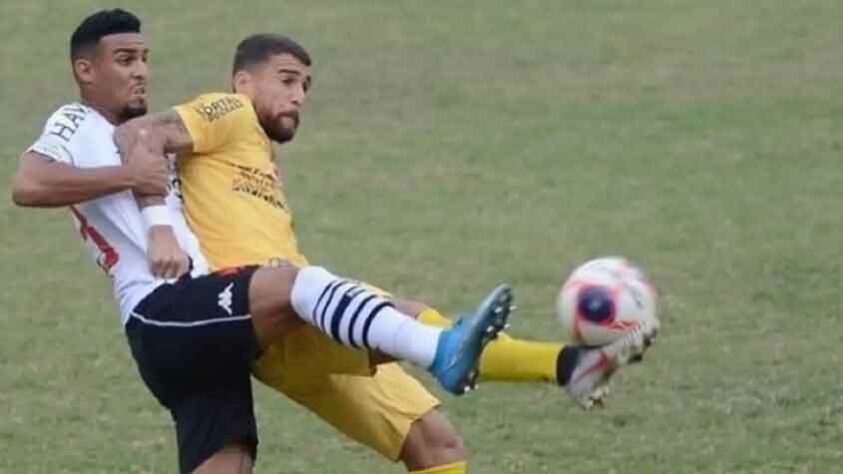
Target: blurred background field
447,146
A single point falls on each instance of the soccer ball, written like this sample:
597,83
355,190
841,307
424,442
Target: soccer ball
604,297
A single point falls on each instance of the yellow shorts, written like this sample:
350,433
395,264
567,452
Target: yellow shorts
372,406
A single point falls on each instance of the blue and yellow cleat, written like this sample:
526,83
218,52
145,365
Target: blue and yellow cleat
459,347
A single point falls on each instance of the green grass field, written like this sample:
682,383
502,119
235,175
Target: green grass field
448,146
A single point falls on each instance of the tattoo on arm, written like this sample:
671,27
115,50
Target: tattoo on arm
165,133
176,136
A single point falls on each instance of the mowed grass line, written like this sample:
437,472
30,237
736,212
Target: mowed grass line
446,148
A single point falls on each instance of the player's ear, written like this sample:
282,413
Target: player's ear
83,70
243,82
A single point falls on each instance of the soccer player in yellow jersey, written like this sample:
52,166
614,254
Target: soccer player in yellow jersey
234,203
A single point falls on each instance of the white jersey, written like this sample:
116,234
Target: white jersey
112,226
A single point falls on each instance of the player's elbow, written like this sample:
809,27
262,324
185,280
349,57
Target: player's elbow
23,193
28,192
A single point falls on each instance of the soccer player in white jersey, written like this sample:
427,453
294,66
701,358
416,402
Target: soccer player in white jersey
194,338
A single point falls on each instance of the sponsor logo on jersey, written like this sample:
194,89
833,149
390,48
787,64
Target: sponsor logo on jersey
256,183
68,122
219,108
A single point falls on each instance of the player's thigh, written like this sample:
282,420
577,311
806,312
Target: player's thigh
194,345
270,302
187,331
209,411
303,360
215,425
377,411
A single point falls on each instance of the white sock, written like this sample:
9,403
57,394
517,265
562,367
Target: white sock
357,317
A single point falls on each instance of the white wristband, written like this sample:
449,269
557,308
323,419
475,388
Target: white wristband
156,215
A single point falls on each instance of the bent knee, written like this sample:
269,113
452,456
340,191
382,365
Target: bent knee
432,441
235,457
270,303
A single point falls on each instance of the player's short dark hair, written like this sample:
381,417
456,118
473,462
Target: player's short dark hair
257,49
99,24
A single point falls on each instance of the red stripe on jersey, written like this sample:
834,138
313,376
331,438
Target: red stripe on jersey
109,255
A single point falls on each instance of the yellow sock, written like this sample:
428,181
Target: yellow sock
434,318
507,359
455,468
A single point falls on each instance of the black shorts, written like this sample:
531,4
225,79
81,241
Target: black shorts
194,345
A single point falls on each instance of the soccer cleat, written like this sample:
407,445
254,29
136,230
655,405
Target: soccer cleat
588,375
459,347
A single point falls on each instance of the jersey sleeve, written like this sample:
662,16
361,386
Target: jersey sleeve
215,120
60,139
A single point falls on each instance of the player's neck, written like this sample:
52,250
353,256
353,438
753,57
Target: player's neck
111,116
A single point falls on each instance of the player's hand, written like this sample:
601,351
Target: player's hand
166,258
148,171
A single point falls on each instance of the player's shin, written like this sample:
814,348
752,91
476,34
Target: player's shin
357,317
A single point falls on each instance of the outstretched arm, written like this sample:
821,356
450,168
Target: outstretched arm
41,181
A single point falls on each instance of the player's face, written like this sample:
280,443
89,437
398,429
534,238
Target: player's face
121,73
280,90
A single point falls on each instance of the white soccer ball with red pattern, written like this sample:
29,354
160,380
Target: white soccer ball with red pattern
604,297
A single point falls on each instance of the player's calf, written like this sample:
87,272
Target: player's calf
432,441
356,316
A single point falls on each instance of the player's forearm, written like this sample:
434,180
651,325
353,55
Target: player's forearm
57,184
161,133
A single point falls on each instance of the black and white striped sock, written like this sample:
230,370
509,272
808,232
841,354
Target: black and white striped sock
356,316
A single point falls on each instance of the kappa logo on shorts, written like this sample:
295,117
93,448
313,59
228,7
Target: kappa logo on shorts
224,298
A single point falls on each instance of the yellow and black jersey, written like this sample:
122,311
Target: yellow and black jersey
232,193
